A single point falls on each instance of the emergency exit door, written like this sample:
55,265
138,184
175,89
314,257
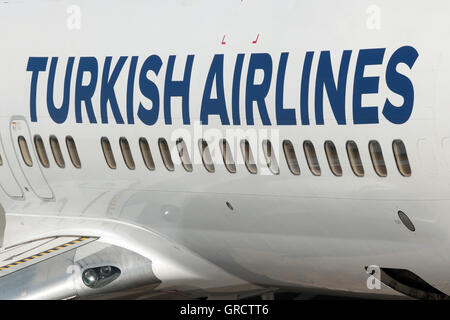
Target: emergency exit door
26,155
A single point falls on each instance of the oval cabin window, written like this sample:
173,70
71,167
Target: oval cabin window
26,156
311,158
291,157
126,153
108,153
248,157
146,154
377,158
333,158
56,150
184,155
165,154
41,152
401,158
227,156
73,153
206,155
355,158
271,159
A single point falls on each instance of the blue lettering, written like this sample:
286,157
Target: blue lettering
86,92
336,94
107,90
59,115
258,92
236,88
35,65
304,90
401,85
218,105
130,90
284,116
364,85
149,90
177,89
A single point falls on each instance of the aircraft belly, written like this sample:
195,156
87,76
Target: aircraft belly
312,243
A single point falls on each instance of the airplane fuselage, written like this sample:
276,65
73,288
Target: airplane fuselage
236,70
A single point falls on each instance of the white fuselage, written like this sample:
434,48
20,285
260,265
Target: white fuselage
282,230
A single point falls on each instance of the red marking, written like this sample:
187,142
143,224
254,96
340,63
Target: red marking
255,41
223,42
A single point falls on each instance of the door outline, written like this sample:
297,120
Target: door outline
35,159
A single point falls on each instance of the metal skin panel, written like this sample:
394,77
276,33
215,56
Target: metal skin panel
60,277
22,256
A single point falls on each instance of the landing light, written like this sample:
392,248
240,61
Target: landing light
90,278
105,271
100,276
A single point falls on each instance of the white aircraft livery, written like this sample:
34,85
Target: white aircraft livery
224,149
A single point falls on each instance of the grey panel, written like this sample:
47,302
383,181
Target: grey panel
60,277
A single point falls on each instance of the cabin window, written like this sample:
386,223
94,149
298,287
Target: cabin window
41,152
333,158
401,158
377,158
248,157
355,158
73,153
227,156
26,156
206,155
311,158
146,154
291,157
56,150
165,154
184,155
126,153
108,153
271,159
